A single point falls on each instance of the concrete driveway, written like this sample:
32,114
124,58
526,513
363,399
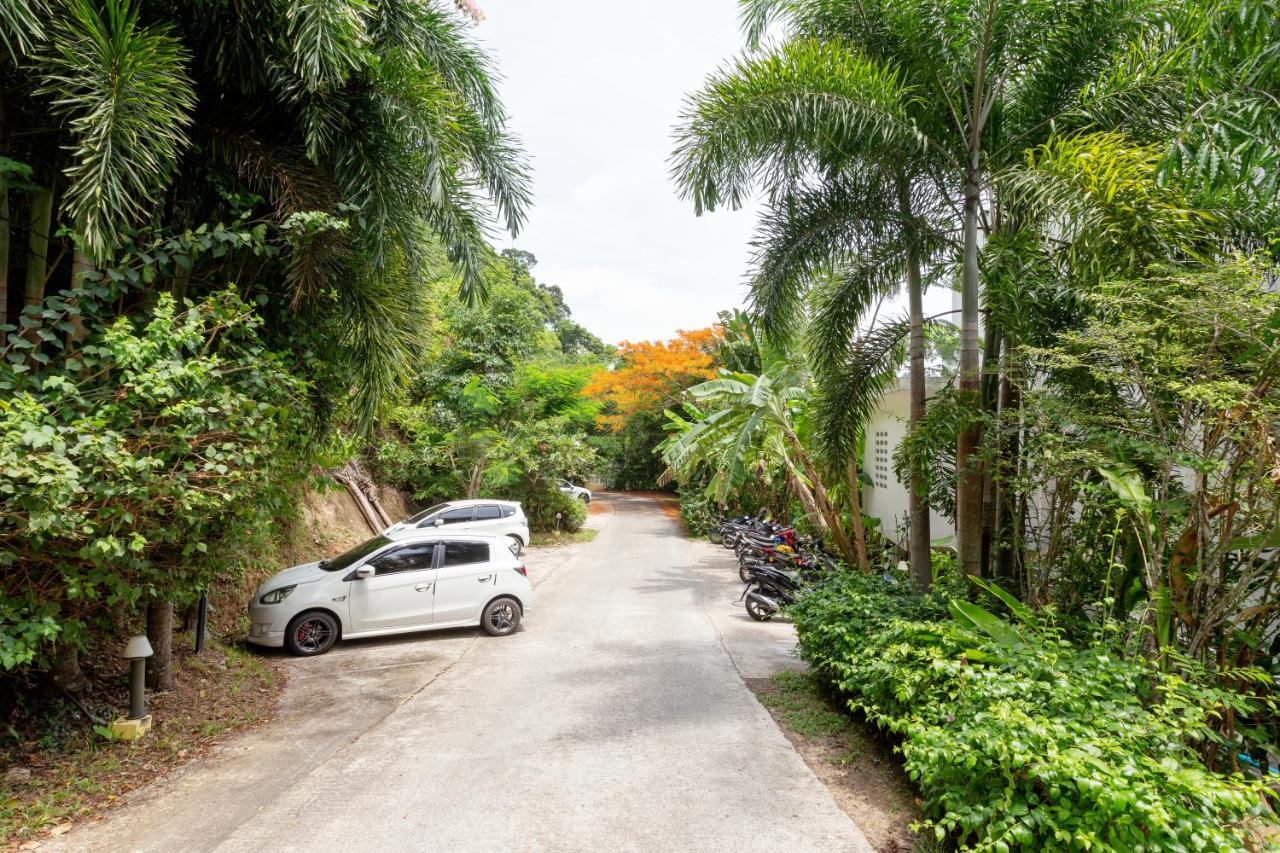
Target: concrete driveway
617,719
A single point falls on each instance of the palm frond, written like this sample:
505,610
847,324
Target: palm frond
849,389
382,334
127,100
328,40
769,118
1101,198
21,25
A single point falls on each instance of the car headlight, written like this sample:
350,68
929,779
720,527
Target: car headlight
277,595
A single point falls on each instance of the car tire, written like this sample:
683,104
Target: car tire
516,546
501,617
586,499
312,633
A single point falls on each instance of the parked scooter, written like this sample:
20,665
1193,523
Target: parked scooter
770,590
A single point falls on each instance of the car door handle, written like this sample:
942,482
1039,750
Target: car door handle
423,587
485,579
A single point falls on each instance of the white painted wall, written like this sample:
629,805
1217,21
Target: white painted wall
887,499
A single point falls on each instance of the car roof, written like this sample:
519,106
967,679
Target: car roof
429,534
478,501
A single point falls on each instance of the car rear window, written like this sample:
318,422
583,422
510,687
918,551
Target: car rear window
465,553
457,516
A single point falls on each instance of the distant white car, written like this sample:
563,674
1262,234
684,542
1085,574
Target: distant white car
493,518
576,492
420,581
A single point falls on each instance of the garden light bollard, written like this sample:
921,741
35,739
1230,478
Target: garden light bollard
138,723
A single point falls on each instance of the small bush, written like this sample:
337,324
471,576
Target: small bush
541,508
699,512
1019,739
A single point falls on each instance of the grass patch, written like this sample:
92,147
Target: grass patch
556,538
48,780
858,766
804,709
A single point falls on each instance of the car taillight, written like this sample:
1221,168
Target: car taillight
522,570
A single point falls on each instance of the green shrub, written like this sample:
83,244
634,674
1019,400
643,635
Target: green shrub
133,466
1019,739
541,507
698,511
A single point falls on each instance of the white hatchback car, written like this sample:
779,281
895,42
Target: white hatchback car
492,518
578,493
419,581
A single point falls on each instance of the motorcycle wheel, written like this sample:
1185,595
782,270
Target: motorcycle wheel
744,574
758,611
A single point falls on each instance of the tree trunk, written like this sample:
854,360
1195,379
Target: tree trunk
855,511
1010,452
160,633
79,266
804,494
918,536
990,403
824,500
66,670
968,464
4,250
38,246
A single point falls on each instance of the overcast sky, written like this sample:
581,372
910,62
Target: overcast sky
594,90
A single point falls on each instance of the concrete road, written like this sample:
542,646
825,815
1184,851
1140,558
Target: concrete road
617,719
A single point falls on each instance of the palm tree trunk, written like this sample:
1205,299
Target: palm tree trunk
38,246
918,542
855,510
968,465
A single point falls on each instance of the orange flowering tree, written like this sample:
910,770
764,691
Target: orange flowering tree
651,375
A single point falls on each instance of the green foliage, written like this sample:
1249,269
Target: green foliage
632,459
1020,739
131,459
543,506
497,410
125,95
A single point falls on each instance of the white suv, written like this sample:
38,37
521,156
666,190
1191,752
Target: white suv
492,518
417,582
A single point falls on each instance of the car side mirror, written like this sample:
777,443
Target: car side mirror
366,571
439,522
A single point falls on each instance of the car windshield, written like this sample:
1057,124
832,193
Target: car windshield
426,512
364,549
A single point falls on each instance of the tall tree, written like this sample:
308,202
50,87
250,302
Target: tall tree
947,92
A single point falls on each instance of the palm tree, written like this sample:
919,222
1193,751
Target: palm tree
378,115
862,223
948,93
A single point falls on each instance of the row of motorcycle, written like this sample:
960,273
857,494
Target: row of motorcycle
773,561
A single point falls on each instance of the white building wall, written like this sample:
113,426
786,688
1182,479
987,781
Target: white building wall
887,499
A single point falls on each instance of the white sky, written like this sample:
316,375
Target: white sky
594,90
